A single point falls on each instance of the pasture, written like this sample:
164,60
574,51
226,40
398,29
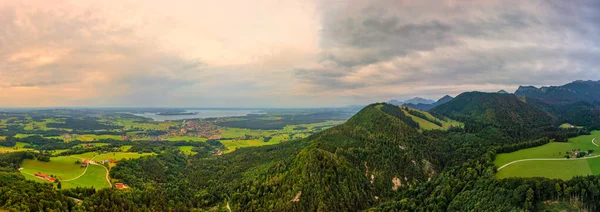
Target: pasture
63,168
186,138
95,177
187,150
129,124
425,124
232,145
561,169
18,147
111,155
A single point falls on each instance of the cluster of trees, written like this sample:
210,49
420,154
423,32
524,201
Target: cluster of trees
261,122
83,124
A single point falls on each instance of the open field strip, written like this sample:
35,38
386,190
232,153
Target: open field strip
546,160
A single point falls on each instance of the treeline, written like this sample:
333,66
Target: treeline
395,111
423,116
261,123
523,145
204,149
81,124
563,135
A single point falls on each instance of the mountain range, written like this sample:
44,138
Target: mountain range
429,106
416,100
585,91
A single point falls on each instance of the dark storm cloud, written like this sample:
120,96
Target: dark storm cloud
430,43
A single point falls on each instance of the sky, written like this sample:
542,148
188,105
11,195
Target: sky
286,53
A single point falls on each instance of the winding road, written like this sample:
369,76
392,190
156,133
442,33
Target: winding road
91,161
550,159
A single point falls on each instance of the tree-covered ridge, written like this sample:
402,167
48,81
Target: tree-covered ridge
585,91
513,116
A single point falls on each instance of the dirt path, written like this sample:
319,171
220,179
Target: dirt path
107,175
84,171
549,159
228,208
594,142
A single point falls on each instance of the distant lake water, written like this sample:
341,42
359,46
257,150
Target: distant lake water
208,113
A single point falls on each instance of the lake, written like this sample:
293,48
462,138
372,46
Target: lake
207,113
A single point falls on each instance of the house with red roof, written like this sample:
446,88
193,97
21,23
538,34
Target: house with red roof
121,186
45,177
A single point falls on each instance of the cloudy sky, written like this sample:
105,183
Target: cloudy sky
287,53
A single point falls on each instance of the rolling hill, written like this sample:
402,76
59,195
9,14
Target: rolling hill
507,112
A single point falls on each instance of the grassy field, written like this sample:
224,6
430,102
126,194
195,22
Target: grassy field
425,124
18,147
94,177
62,167
65,168
92,137
112,155
565,170
95,144
552,169
36,125
567,126
232,145
129,124
125,148
239,132
187,150
186,138
551,150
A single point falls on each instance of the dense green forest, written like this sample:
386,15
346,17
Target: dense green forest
378,160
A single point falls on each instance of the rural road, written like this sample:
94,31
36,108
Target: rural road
549,159
84,171
92,163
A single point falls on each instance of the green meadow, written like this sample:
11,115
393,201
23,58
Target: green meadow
111,155
186,138
425,124
187,150
63,168
94,177
232,145
561,169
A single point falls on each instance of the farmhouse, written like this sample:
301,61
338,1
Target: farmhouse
110,160
45,177
121,186
84,163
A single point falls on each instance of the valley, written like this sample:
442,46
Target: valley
77,149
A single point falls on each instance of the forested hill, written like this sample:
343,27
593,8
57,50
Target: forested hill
587,91
506,112
347,167
380,159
